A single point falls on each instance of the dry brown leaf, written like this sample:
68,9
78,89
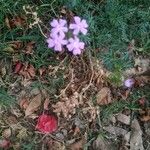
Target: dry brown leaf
104,96
46,103
17,21
145,118
78,145
136,142
100,144
6,133
123,118
33,105
42,71
115,130
24,103
29,47
7,23
28,71
145,115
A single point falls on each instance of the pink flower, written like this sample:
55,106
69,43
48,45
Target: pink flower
47,123
79,26
129,83
75,46
59,27
56,42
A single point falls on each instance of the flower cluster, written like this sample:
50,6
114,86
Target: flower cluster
60,31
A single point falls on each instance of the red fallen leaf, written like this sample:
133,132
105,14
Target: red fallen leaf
18,67
47,123
4,143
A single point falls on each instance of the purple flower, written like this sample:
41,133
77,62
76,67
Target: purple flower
79,26
59,27
75,46
129,83
56,42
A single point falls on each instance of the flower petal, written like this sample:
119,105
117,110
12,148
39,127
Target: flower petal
84,23
76,31
58,48
77,19
54,23
81,45
50,43
84,31
62,22
76,52
72,26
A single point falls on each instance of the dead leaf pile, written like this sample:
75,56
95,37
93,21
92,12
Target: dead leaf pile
17,21
67,106
26,70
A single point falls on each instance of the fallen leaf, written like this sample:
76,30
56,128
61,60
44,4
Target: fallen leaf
46,103
100,144
7,23
78,145
76,131
18,21
3,71
145,115
33,105
142,101
31,70
24,103
115,130
29,47
42,71
4,143
136,142
123,118
27,71
104,96
6,133
18,67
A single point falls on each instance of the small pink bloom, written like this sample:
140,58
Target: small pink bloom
79,26
56,42
59,27
129,83
47,123
75,46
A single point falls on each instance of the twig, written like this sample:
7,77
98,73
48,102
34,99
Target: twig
41,30
64,90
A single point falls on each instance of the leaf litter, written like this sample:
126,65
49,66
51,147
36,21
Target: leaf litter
85,78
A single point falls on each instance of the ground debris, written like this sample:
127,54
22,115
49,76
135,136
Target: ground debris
136,142
115,130
123,118
100,144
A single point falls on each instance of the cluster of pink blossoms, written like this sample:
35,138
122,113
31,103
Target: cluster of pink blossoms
58,36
